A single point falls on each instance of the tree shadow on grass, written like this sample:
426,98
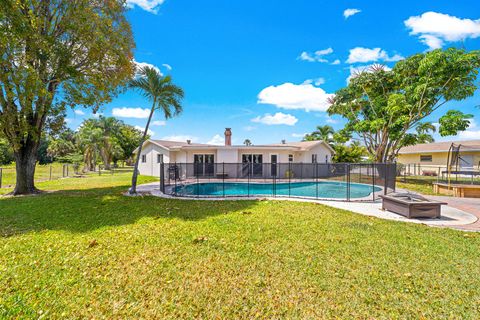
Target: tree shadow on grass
81,211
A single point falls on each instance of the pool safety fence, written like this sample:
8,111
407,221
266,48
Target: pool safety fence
329,181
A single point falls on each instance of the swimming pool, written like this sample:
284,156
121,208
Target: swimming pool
320,189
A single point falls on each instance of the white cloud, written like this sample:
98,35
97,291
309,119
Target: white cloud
336,61
125,112
147,5
277,119
354,71
139,65
363,55
159,123
350,12
167,66
317,81
431,41
435,28
249,128
306,57
217,140
469,134
68,120
323,52
298,135
331,120
317,56
142,129
79,112
291,96
180,138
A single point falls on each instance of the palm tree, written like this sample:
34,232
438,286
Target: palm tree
247,142
91,141
324,133
164,95
423,132
111,148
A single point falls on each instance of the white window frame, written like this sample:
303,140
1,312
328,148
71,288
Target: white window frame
144,158
426,155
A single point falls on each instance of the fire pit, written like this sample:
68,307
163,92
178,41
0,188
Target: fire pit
411,205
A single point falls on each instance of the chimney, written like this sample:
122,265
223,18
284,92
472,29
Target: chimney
189,141
228,136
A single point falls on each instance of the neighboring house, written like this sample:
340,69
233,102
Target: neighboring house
206,158
435,154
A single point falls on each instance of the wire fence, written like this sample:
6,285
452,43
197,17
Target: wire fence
332,181
56,171
416,172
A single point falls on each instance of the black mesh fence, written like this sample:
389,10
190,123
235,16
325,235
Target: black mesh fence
332,181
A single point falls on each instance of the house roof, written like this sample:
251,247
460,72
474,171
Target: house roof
297,146
470,145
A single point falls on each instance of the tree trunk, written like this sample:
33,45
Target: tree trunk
133,189
25,161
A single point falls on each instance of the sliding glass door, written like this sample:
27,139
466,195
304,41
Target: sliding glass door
252,164
203,164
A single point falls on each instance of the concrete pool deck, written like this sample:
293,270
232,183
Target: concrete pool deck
454,215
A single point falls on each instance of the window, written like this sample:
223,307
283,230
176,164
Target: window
159,158
144,158
426,158
290,158
314,158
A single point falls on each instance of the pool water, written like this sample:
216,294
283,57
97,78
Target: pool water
322,189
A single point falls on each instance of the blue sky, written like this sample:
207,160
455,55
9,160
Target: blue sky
264,68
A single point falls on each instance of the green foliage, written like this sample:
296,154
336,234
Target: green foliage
324,133
62,144
454,121
384,107
106,138
352,153
56,54
6,152
128,138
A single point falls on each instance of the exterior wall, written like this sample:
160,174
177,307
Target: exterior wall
323,154
439,160
151,167
282,154
227,155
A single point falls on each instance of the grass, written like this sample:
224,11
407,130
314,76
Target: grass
420,184
48,172
87,251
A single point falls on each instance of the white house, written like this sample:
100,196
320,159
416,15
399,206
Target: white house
207,158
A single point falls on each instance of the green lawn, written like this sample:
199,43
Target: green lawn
90,252
420,184
47,172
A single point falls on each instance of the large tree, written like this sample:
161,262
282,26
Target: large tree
55,54
384,107
164,95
